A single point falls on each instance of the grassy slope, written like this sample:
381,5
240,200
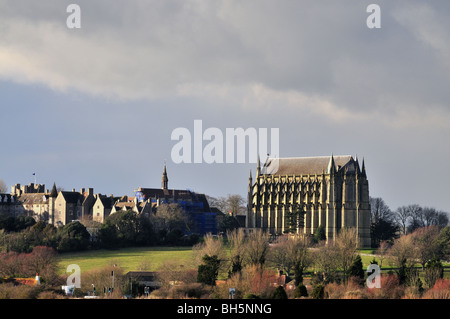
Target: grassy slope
130,259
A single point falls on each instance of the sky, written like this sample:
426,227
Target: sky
96,106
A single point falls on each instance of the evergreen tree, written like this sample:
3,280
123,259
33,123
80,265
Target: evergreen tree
319,234
209,270
356,269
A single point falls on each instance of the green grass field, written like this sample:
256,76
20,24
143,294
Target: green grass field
129,259
152,258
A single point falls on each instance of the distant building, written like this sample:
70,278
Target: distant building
194,204
102,207
70,206
331,191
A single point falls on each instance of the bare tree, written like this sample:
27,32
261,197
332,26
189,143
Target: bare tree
346,244
325,261
379,210
279,255
236,239
426,244
403,256
402,216
382,251
298,252
256,247
231,204
170,216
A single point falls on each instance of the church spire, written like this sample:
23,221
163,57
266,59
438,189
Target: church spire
331,165
258,168
54,192
164,179
363,169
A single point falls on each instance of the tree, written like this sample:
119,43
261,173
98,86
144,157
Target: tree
230,205
209,270
318,292
383,230
326,262
256,247
444,242
427,216
227,223
379,210
295,220
211,246
126,228
402,216
345,246
433,271
382,251
169,217
236,241
73,237
403,256
298,251
426,244
356,269
319,234
300,291
382,226
42,260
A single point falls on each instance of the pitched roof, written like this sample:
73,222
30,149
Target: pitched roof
72,197
33,198
303,165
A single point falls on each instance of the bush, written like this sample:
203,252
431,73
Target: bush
440,290
300,291
279,293
318,292
191,290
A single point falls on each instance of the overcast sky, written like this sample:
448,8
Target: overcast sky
96,106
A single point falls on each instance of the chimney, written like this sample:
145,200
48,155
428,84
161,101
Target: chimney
73,190
90,191
82,191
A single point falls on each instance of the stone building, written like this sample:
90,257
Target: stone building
331,191
195,205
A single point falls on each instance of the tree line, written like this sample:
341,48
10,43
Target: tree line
386,224
170,225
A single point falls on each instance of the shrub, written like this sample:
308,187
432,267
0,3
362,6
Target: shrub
390,288
279,293
191,290
300,291
318,292
440,290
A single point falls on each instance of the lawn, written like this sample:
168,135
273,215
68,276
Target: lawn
129,259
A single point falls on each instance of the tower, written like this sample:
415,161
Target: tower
51,206
164,179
